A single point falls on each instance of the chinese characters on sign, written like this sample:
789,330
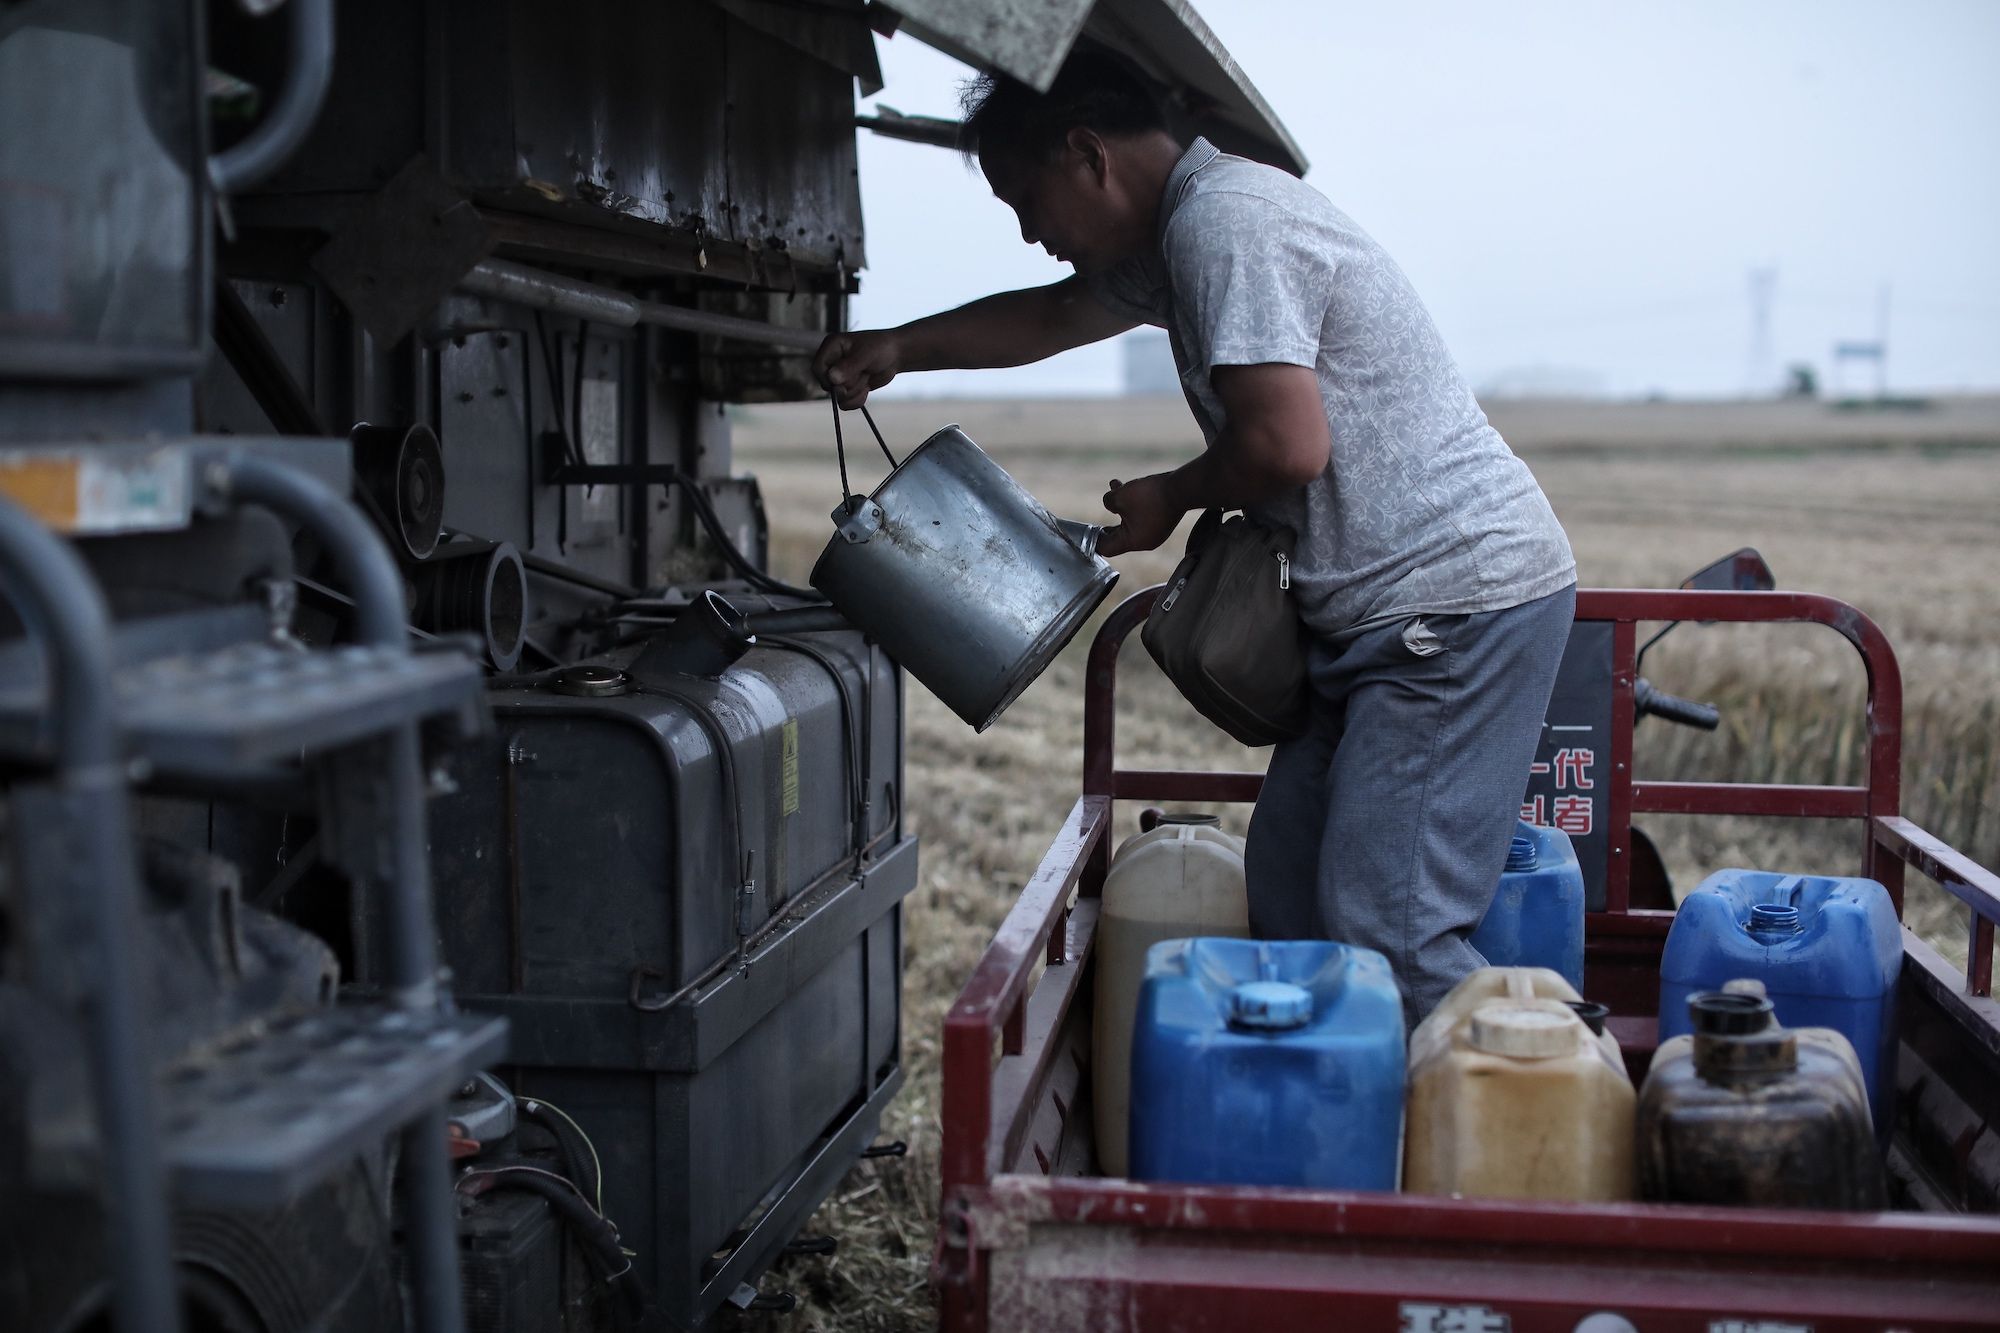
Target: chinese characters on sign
1419,1318
1567,808
1569,784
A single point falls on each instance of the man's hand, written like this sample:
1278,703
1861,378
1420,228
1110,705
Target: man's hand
1148,514
852,365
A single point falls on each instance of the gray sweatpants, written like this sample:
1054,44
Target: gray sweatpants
1386,825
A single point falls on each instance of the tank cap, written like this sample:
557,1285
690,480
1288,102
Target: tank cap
1592,1013
1527,1029
590,681
1270,1005
1728,1013
1190,819
1522,854
1774,919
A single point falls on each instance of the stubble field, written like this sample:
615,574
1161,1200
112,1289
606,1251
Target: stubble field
1894,510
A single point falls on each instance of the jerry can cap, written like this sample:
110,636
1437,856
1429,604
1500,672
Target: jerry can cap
1528,1029
1729,1013
1270,1005
1189,818
1592,1013
1522,854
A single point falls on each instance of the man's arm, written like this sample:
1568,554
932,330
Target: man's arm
1276,440
1006,329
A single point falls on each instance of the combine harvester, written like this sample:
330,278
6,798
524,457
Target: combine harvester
415,917
396,931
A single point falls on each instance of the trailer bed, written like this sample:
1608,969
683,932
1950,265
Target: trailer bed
1031,1238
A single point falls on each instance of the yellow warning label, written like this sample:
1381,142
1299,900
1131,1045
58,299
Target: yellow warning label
44,486
790,798
103,489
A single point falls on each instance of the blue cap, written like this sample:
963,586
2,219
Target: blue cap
1522,854
1271,1005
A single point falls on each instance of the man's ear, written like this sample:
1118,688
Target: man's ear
1086,144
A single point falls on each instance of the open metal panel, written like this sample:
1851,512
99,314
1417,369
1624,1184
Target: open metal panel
1028,40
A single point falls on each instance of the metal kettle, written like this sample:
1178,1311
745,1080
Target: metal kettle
962,575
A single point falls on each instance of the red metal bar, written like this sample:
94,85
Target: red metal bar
995,991
1979,956
1569,1227
1625,608
1624,671
1016,1078
1957,874
1140,784
1100,687
1749,798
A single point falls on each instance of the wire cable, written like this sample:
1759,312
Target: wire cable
596,1165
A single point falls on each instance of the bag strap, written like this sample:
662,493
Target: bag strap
1204,531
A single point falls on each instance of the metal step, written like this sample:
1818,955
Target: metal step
247,704
274,1110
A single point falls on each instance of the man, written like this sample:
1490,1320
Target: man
1433,576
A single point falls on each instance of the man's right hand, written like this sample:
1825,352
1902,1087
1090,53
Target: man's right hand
852,365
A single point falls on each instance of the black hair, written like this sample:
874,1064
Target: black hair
1094,90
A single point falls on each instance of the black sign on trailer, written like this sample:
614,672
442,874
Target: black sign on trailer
1569,783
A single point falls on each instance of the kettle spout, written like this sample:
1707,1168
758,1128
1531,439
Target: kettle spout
1081,535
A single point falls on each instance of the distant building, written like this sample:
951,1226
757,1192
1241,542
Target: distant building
1149,365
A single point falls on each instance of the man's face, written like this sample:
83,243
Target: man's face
1062,204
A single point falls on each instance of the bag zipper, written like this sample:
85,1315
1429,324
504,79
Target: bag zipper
1173,594
1284,570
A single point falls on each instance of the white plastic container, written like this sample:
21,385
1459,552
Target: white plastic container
1513,1097
1184,877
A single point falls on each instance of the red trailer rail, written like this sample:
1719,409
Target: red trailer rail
1030,1239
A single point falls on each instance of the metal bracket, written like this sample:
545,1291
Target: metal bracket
747,1297
893,1148
746,897
858,524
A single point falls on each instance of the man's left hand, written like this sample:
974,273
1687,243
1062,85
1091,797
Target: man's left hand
1147,514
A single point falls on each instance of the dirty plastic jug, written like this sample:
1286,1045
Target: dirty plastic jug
1183,877
1260,1062
1827,949
1536,919
1514,1096
1745,1112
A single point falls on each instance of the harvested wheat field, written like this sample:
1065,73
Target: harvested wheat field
1896,510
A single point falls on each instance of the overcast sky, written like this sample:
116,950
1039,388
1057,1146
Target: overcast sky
1580,191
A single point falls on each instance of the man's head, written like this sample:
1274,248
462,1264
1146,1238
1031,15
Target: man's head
1081,165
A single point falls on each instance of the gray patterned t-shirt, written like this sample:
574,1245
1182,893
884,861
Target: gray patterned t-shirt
1422,508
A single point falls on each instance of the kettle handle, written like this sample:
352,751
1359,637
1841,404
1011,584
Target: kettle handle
847,500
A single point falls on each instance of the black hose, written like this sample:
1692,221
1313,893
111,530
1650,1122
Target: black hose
592,1229
704,512
575,1152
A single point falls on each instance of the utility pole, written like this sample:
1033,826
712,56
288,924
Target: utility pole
1882,342
1758,375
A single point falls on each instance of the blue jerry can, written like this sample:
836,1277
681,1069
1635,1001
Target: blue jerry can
1258,1062
1828,951
1536,919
